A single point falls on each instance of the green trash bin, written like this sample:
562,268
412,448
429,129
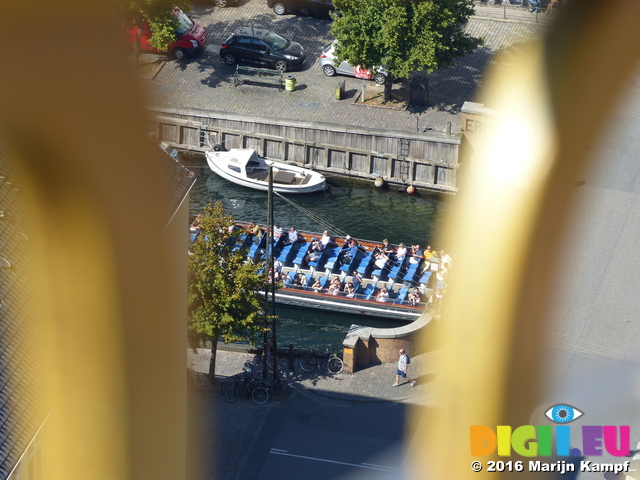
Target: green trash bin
290,83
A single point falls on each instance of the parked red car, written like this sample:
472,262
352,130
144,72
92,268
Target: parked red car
190,37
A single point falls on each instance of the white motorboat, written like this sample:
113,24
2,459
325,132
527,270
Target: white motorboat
244,167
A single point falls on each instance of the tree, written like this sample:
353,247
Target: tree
155,13
403,35
225,299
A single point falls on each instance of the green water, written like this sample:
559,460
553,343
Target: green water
358,209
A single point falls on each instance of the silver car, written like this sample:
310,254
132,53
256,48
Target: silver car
329,67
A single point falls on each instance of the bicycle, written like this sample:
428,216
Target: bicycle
241,381
281,385
261,391
206,382
328,360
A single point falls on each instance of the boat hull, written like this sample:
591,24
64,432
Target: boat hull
219,165
288,296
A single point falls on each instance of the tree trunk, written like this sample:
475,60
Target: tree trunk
214,352
388,85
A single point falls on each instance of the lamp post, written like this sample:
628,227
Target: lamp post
271,291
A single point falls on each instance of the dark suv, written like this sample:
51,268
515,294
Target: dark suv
316,8
262,47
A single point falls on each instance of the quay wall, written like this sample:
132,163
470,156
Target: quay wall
424,160
365,346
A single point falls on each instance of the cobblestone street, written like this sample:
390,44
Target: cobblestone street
205,82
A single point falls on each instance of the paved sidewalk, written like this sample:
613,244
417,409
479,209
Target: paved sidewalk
205,82
372,384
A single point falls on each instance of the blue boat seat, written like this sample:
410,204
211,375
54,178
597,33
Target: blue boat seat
300,254
364,264
396,270
411,271
255,252
426,276
288,281
332,257
402,295
368,291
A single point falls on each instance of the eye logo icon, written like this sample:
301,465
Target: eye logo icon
563,413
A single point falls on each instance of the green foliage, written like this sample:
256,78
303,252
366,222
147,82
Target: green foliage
225,299
155,13
403,35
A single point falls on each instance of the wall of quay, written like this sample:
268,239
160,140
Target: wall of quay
425,160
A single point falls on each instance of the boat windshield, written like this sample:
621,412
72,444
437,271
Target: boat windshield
276,42
185,24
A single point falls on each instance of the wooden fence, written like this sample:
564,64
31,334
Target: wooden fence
427,161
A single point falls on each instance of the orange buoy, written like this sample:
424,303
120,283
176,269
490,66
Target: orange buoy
411,189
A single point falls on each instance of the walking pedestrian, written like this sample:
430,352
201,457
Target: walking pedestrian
403,363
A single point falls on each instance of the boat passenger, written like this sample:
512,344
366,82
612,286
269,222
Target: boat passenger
349,252
252,228
276,274
314,251
414,296
276,232
357,281
428,253
445,258
436,298
401,253
195,225
416,254
335,286
297,283
326,238
347,241
382,295
388,250
443,273
381,259
349,290
292,237
317,286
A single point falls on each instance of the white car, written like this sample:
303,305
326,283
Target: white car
329,67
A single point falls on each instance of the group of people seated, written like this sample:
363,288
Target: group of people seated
384,255
349,289
255,233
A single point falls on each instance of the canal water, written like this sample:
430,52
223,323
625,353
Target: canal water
355,208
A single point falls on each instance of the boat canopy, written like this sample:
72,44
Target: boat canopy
245,157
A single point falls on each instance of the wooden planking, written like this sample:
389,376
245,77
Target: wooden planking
424,160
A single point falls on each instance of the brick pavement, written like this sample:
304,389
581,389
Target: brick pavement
205,82
224,435
370,384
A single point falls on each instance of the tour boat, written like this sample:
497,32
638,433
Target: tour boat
298,273
244,167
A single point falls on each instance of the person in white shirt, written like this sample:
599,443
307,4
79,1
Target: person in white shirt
401,372
293,236
445,258
277,232
401,253
326,238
